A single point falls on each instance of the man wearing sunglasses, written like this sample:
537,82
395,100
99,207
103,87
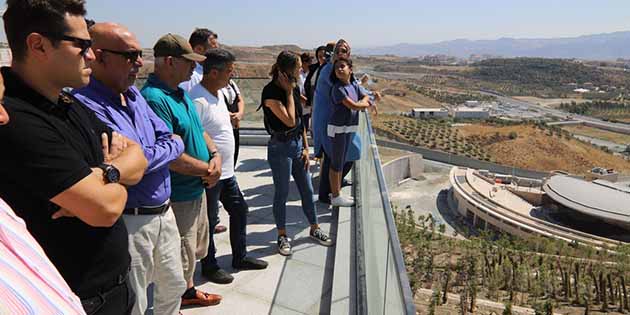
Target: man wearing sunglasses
154,242
60,172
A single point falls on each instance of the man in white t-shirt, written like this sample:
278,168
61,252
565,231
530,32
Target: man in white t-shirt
215,118
201,40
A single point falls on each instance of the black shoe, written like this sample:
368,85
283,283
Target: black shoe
346,182
250,263
325,200
218,276
321,237
284,245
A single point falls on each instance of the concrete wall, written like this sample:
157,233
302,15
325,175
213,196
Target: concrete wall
464,161
534,198
402,168
471,114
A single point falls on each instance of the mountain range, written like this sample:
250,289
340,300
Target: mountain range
607,46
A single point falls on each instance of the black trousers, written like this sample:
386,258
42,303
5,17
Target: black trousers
237,138
118,300
324,178
229,194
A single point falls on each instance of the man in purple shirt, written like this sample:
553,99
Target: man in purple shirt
154,241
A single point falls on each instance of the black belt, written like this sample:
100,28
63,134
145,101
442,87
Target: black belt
286,136
147,211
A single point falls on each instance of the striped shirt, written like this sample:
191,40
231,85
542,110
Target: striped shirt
29,283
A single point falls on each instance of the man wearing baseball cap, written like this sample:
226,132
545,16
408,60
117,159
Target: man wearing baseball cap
200,164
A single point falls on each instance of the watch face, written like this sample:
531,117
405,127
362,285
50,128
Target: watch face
113,175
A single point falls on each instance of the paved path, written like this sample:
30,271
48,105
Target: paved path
300,284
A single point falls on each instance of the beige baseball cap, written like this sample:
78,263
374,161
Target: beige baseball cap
175,46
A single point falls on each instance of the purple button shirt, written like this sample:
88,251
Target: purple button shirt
139,123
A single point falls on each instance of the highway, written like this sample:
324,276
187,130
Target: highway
550,112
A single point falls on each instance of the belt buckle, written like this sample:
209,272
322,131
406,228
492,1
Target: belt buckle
135,211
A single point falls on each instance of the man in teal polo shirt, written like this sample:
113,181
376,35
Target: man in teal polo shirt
200,164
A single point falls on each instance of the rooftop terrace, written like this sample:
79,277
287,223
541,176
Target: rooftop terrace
362,274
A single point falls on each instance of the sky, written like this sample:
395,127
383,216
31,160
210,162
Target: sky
367,23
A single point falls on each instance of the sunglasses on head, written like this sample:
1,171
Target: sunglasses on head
84,44
131,55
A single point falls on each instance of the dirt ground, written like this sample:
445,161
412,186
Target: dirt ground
397,104
533,149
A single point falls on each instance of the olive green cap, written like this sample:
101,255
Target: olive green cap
175,46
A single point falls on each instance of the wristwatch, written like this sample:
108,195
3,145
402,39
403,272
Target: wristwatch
110,172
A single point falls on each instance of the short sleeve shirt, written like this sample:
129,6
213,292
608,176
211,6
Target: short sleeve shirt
231,91
215,119
272,91
47,148
177,110
343,119
195,78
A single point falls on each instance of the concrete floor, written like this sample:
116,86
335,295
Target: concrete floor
427,194
300,284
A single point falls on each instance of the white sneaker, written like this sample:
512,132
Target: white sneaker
341,201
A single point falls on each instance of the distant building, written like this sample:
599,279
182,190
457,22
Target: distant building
437,112
472,103
470,113
561,207
581,91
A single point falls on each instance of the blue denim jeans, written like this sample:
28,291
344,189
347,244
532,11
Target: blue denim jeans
285,159
228,192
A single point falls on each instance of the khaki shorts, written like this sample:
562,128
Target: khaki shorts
192,223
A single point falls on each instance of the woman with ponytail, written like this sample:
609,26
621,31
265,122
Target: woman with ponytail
287,150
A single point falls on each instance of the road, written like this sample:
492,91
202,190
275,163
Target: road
562,115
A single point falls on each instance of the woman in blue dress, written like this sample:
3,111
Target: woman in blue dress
322,109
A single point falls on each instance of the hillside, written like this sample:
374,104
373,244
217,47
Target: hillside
529,146
535,149
544,73
608,46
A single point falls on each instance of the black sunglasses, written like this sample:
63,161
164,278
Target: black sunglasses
131,56
84,44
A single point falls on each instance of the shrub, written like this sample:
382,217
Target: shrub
513,135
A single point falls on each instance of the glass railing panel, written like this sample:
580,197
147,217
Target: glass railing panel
375,238
394,302
386,287
251,90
